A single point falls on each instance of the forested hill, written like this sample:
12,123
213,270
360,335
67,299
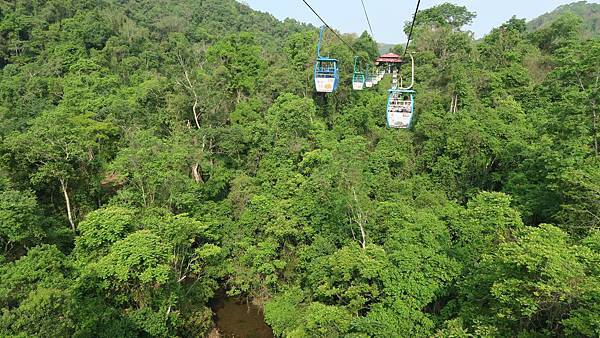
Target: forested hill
134,21
154,152
589,13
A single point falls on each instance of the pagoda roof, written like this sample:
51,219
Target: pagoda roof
389,58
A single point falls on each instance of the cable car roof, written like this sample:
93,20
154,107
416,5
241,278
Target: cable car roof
324,58
401,90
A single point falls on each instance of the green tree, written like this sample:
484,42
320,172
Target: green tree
156,171
559,33
238,64
446,14
58,145
531,283
101,228
19,220
34,295
367,45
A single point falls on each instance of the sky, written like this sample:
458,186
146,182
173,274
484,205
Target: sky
388,16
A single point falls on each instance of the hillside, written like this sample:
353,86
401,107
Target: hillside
589,13
167,169
385,47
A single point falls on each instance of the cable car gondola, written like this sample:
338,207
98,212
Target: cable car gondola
400,108
358,79
401,102
368,79
327,74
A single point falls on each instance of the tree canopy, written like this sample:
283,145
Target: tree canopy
157,154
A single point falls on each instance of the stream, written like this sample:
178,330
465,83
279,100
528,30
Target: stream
237,319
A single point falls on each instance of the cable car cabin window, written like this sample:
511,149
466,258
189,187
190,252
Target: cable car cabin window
326,68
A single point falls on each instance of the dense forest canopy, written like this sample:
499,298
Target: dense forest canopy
154,152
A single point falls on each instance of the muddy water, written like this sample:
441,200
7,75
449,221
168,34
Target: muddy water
236,319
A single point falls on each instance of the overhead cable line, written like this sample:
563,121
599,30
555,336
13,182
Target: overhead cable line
412,26
331,29
368,21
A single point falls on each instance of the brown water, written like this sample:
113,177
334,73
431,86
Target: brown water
238,319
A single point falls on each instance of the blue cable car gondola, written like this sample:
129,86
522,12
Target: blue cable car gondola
358,79
327,74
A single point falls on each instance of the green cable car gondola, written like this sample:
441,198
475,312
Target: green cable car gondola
401,103
368,78
358,79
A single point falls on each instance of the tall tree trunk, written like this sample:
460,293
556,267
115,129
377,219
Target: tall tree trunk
595,113
456,103
595,128
239,96
194,107
191,88
595,134
360,220
363,242
196,173
63,185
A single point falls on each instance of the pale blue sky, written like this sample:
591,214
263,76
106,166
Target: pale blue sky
388,16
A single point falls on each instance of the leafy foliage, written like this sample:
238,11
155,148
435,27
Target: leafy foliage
153,152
